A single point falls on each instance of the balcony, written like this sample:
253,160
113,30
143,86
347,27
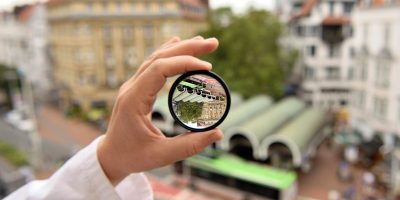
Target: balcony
334,29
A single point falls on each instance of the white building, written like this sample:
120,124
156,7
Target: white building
376,84
375,105
23,44
321,31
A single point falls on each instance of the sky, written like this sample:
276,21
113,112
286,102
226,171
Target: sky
238,6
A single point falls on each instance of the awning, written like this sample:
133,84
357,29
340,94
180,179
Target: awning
264,124
296,135
331,21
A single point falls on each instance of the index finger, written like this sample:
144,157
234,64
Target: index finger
153,79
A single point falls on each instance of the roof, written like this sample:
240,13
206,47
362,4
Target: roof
24,13
246,110
333,20
243,170
296,135
262,125
191,85
305,9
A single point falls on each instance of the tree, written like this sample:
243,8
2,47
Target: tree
188,111
249,57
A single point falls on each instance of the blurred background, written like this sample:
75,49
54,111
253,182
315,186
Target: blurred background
315,92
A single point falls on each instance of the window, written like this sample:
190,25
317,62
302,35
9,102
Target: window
119,6
332,73
299,30
382,74
361,99
348,7
398,109
161,4
89,7
352,52
112,81
107,33
312,50
82,79
309,73
146,6
105,6
93,79
380,107
128,32
350,74
130,57
314,30
333,51
386,34
148,30
365,33
331,7
109,58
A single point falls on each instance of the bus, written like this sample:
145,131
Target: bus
249,177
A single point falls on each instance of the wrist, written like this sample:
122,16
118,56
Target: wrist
107,158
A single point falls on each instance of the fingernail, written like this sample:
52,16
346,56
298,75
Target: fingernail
216,136
198,38
207,63
211,39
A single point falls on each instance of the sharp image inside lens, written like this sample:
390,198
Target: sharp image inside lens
199,101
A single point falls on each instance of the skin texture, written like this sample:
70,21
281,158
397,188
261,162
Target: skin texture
132,143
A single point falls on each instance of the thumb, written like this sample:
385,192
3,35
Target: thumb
190,144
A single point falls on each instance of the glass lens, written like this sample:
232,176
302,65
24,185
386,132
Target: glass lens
199,101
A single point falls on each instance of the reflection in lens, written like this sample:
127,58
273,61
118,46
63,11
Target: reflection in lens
199,101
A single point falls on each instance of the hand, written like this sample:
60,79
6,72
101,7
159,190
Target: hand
132,143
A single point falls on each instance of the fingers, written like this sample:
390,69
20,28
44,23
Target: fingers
196,46
153,79
170,42
189,144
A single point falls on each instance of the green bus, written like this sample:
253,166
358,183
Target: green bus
249,177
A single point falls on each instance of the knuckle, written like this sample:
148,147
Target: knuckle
157,64
192,150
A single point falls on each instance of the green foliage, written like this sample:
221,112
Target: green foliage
11,154
188,111
249,56
8,79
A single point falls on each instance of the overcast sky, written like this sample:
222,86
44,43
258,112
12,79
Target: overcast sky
237,5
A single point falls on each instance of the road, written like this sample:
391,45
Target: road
51,152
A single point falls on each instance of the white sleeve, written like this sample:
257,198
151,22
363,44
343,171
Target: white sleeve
83,178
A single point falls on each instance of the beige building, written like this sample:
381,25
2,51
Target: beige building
98,44
211,113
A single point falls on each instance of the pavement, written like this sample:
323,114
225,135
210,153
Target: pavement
62,137
323,178
54,126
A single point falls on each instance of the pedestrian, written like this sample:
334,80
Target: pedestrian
111,166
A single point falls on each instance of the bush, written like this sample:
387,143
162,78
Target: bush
12,155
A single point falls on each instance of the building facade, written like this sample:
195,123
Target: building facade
97,45
321,31
23,45
376,86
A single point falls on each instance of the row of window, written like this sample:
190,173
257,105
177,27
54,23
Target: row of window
380,105
333,51
381,76
331,73
131,6
347,6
